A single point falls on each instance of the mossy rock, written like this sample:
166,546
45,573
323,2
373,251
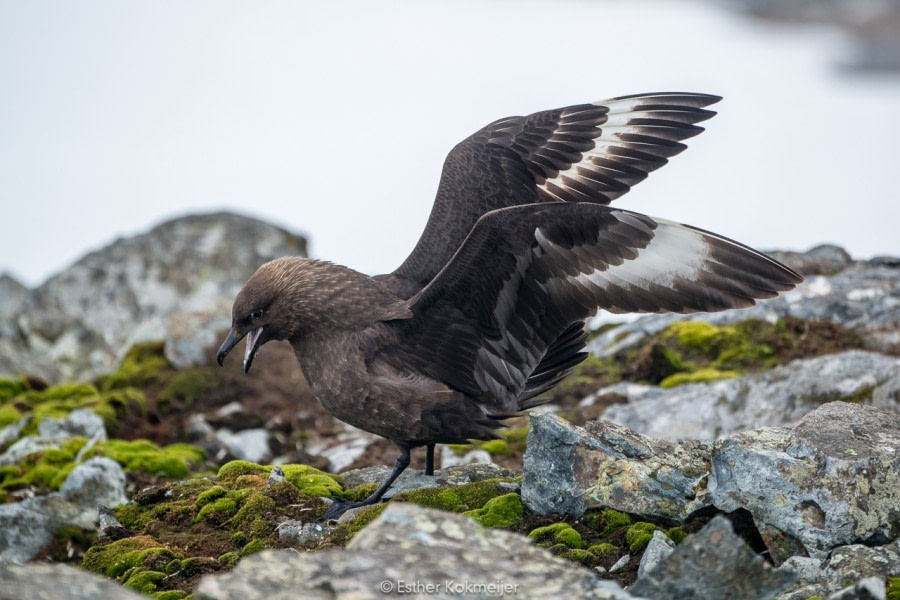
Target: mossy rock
45,469
173,461
309,480
458,498
143,364
116,558
501,511
698,376
557,533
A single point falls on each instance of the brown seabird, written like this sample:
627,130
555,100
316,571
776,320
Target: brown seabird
488,311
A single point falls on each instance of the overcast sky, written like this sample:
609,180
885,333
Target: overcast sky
333,118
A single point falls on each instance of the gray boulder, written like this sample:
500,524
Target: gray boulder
58,582
844,568
776,398
569,469
81,322
832,480
27,527
415,551
714,563
658,549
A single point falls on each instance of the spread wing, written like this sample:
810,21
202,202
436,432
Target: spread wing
583,153
526,273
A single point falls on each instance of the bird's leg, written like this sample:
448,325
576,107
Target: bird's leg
429,459
339,507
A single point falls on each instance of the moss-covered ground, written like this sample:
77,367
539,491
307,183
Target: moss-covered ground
193,513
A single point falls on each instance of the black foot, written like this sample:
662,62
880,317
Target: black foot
338,508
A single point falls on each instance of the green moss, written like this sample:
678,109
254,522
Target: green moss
696,334
142,581
174,461
676,534
557,533
576,555
639,534
603,549
188,386
9,414
502,511
69,391
253,513
360,492
698,376
210,495
459,498
311,481
45,469
365,516
236,468
142,365
218,511
495,447
114,559
229,559
10,388
252,547
893,588
612,519
169,595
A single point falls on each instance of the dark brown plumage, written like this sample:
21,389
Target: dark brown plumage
488,311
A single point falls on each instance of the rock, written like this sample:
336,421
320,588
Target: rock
344,448
569,469
846,566
80,323
826,259
190,335
301,533
659,548
832,480
52,432
864,297
870,588
620,564
776,398
410,550
250,444
26,527
412,479
714,563
13,297
452,459
58,582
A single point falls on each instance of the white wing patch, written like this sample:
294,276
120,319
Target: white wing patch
674,253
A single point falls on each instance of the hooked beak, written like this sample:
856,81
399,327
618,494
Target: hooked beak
253,339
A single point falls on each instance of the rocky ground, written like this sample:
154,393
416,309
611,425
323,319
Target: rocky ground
749,454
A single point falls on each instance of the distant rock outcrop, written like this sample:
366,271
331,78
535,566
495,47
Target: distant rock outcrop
80,322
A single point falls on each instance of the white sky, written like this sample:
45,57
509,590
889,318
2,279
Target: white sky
333,118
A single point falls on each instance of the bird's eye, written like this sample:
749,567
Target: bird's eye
256,314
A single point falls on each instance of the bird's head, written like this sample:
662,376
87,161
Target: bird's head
267,307
289,298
